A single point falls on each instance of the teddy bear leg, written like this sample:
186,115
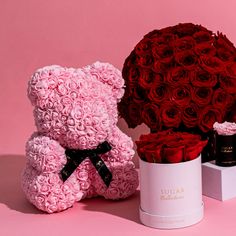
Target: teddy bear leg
86,174
124,181
47,191
41,179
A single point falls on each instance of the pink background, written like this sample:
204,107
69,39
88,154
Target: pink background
74,33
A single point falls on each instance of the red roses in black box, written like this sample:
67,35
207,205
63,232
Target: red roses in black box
181,77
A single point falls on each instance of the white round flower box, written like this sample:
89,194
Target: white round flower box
171,194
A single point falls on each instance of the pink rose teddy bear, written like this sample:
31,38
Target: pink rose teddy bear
78,151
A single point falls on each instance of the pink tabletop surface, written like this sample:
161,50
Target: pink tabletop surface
94,216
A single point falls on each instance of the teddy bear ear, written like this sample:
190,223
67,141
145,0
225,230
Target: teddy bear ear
108,74
42,83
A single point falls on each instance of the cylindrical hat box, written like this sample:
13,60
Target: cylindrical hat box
171,194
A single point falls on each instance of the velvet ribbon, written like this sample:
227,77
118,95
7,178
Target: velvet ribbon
76,157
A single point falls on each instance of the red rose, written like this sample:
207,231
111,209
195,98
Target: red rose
158,40
153,34
185,147
228,83
147,78
168,36
163,38
167,30
150,115
138,94
190,115
205,49
178,75
189,138
202,95
231,116
170,114
202,78
163,52
161,68
225,55
145,61
173,154
203,36
130,61
208,117
211,64
155,137
185,43
150,153
131,113
231,69
158,92
134,114
166,137
157,66
186,59
132,76
194,148
222,99
186,29
181,95
143,47
223,42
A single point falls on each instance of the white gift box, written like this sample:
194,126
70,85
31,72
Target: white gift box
171,194
218,182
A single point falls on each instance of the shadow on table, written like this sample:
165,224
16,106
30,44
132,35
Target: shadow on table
11,194
13,197
127,208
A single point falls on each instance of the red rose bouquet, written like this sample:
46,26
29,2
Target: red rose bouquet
169,147
181,77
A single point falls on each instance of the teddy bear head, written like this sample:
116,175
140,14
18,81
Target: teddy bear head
76,107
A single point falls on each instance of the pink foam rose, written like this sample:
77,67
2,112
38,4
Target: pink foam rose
41,179
66,101
77,113
71,84
53,179
74,94
82,175
226,128
113,192
44,189
62,206
50,208
66,188
84,185
40,199
52,199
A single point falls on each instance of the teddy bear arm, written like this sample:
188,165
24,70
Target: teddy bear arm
45,154
122,146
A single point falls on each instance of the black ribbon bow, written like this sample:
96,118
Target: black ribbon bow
75,157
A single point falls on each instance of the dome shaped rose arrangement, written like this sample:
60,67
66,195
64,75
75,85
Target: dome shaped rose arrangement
181,77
